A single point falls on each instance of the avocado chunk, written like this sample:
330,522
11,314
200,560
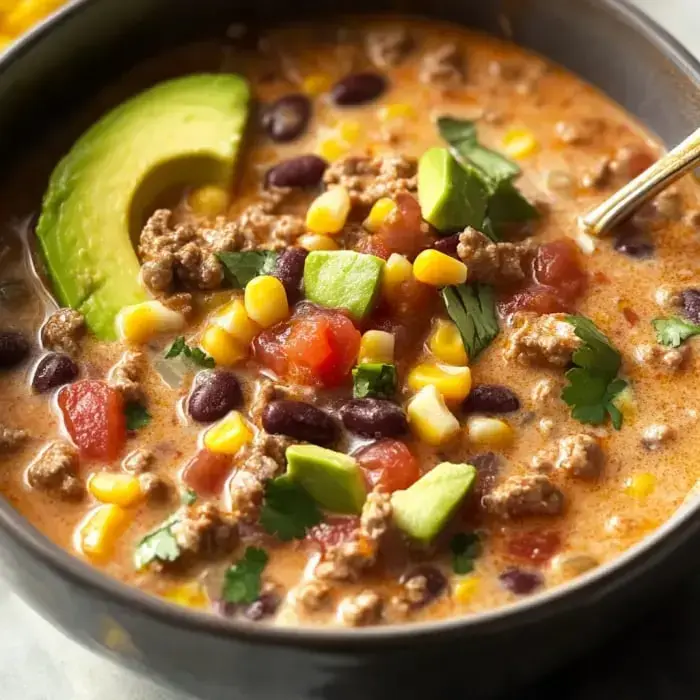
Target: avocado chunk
343,279
451,196
424,508
183,131
332,479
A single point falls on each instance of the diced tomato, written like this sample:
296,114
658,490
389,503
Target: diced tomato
390,464
334,530
535,546
538,299
93,413
404,232
207,471
558,265
374,245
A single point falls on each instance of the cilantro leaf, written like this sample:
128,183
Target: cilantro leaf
242,266
136,416
195,354
673,331
288,510
376,380
160,544
177,348
508,206
473,309
465,548
242,580
188,497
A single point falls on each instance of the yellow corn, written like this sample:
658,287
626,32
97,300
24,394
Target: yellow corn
190,595
316,84
228,435
350,131
234,319
101,529
317,241
519,143
446,343
626,403
222,347
454,383
640,485
26,13
396,271
5,41
464,591
489,432
430,418
266,301
208,200
141,322
120,489
329,211
397,112
376,346
381,210
439,270
331,149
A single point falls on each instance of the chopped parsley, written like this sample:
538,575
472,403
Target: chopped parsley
473,309
376,380
672,331
159,545
242,580
241,267
196,355
465,548
188,497
136,416
288,511
593,382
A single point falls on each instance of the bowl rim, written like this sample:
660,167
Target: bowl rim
362,640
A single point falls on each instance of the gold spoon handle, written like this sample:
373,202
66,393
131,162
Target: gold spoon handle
629,198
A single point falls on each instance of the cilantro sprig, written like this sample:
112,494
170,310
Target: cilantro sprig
673,331
288,511
196,355
375,380
465,548
158,545
473,309
593,382
137,416
242,581
243,266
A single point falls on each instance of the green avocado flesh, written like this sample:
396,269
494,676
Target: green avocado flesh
343,279
332,479
184,131
423,509
451,196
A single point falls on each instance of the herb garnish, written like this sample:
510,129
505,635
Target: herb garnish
593,383
242,580
673,331
197,355
137,416
374,379
288,510
188,497
158,545
243,266
465,548
473,309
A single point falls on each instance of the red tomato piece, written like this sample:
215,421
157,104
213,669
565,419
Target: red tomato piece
390,464
207,471
93,413
535,546
558,265
334,530
373,245
539,299
405,232
269,348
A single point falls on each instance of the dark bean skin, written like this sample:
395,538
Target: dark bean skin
358,88
491,398
633,242
54,369
287,118
690,302
214,395
265,606
435,581
289,270
374,418
302,171
487,468
519,581
299,420
448,245
14,349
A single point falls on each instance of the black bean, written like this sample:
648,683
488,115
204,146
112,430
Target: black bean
299,420
54,369
285,119
690,302
358,88
289,270
14,348
491,398
435,583
214,395
633,241
448,245
374,418
487,468
520,581
302,171
265,606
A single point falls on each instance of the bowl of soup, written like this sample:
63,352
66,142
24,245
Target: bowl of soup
311,383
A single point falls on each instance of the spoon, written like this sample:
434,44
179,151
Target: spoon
665,171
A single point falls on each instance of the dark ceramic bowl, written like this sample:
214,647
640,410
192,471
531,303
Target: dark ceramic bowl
52,70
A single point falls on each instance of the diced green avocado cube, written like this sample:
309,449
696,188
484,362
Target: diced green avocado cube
185,131
452,196
424,508
343,279
334,480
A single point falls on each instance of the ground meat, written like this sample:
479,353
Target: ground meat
312,595
157,274
579,455
547,339
263,393
183,303
533,494
654,436
388,47
362,609
154,487
63,330
138,461
125,376
370,179
544,390
599,175
444,67
56,470
247,492
656,356
205,531
494,263
578,132
11,439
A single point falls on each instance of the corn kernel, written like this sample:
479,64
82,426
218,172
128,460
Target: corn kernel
228,435
439,270
376,346
397,112
332,149
519,143
329,211
208,200
120,489
430,418
317,241
316,84
626,403
489,432
266,301
234,319
454,383
383,208
396,271
222,347
190,595
26,13
640,485
446,344
465,590
101,529
141,322
350,131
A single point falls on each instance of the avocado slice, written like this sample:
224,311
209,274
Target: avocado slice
451,196
343,279
334,480
183,131
424,508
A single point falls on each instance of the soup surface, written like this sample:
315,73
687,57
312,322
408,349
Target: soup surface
380,376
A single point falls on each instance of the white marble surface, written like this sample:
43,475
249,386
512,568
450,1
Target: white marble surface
39,663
